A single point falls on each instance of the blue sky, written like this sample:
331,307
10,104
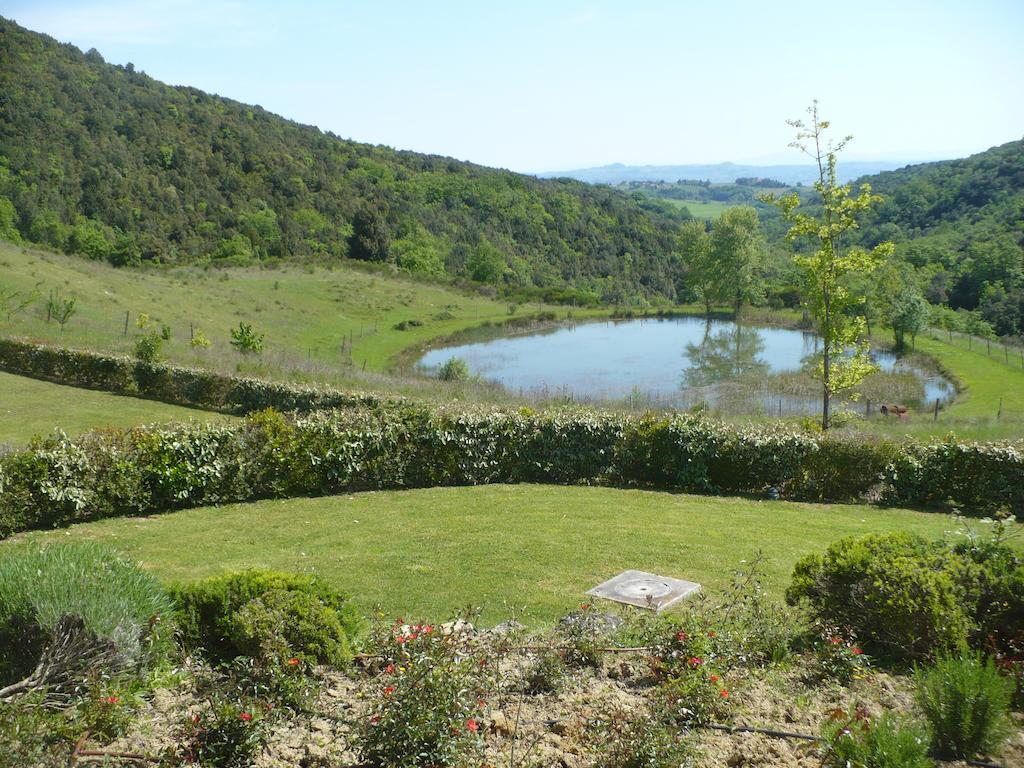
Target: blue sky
556,85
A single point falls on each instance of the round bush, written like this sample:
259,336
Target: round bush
296,622
209,613
114,598
895,592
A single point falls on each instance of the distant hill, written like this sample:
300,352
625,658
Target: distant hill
716,173
961,222
107,162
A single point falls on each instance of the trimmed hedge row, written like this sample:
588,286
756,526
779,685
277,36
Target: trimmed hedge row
171,384
147,470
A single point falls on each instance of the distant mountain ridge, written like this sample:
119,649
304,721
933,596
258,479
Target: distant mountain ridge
717,173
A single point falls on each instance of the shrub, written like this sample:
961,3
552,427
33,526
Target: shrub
247,340
839,657
453,369
629,742
966,701
697,694
894,591
853,739
370,442
992,575
148,348
285,621
226,734
119,604
545,674
224,615
430,705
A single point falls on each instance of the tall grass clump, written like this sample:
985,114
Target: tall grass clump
967,702
121,605
854,739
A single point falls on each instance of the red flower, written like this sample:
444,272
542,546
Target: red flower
483,662
711,633
481,703
836,640
724,693
413,636
375,719
682,637
389,690
694,662
472,725
401,639
293,662
390,669
427,629
584,606
715,678
856,651
246,716
112,699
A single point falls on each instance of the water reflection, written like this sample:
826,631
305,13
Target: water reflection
724,355
676,362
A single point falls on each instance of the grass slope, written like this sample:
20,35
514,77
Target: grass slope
529,550
29,407
986,378
306,313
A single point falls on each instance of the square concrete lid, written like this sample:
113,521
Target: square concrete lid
645,590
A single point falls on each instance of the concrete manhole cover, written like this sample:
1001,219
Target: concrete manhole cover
645,590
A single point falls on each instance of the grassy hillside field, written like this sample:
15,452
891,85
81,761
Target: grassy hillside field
338,326
307,314
520,550
29,407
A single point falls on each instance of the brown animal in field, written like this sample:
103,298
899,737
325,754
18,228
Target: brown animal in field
891,409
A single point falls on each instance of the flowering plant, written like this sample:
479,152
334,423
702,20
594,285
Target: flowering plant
839,655
429,707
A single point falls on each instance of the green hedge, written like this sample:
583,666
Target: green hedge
171,384
147,470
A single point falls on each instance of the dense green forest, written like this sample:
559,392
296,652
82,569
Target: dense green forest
958,226
107,162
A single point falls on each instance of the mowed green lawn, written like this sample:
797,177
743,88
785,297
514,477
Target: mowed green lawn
523,550
987,378
30,407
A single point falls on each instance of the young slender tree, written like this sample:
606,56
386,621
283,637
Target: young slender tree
845,359
736,255
909,315
695,249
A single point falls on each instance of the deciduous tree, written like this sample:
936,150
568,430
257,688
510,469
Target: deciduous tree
845,360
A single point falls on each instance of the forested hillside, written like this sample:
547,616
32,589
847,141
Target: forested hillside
107,162
960,223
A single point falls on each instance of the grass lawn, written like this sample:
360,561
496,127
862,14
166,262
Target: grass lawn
510,549
985,380
30,407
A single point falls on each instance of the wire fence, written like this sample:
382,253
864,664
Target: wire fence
1009,349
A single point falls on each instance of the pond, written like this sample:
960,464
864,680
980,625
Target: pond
681,362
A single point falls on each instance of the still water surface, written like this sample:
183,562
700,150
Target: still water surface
672,361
